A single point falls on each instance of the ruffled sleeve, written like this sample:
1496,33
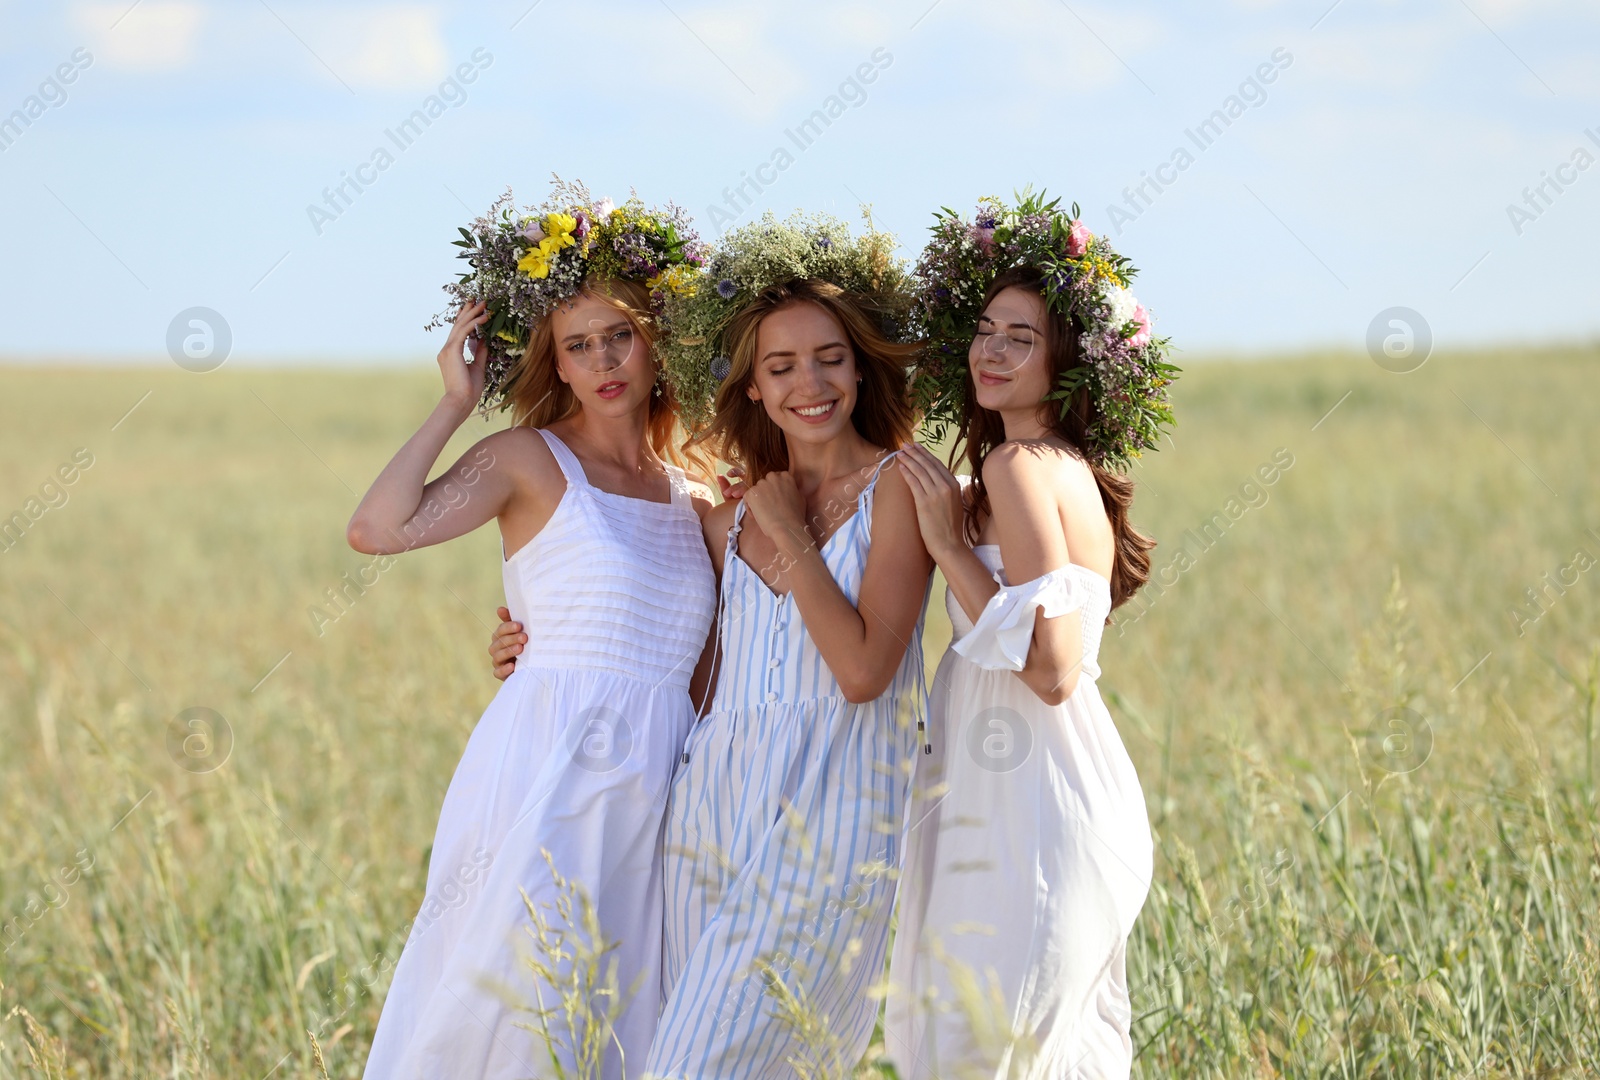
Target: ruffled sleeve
1003,632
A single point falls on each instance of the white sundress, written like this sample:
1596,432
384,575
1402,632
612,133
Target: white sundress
783,839
1027,859
574,756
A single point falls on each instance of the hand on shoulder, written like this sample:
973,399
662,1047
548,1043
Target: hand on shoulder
894,489
894,516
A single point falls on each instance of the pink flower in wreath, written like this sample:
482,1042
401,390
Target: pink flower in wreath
983,236
1077,238
1141,336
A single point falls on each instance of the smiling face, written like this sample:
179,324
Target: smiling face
805,373
602,355
1010,357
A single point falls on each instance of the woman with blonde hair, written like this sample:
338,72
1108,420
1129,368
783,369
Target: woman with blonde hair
567,772
783,835
784,829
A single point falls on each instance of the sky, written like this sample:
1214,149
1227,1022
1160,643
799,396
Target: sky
179,154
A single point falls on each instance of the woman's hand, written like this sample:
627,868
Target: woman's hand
941,511
463,379
779,508
732,484
506,644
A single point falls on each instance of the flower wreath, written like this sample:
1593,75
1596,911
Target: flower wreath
752,258
1125,366
526,263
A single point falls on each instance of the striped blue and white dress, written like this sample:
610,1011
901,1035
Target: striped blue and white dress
783,841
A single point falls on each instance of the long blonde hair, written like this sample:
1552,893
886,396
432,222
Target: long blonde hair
536,396
742,431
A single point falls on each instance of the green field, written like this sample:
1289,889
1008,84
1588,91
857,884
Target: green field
1335,895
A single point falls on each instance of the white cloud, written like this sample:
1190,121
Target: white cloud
755,62
1514,11
388,47
731,56
1057,48
153,36
384,47
1398,55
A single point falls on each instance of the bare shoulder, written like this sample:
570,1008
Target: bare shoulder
1028,462
523,454
700,494
717,520
1022,470
893,489
523,447
894,514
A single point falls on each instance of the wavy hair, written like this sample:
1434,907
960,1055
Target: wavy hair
742,431
536,396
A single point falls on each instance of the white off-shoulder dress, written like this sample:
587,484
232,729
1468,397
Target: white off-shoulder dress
1027,859
575,757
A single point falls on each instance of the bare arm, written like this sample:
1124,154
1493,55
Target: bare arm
401,509
714,524
1025,492
862,643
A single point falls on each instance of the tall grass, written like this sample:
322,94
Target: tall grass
572,961
1376,855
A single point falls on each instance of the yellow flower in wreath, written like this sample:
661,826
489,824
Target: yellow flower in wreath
679,279
535,262
558,229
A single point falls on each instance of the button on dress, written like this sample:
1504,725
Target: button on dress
784,840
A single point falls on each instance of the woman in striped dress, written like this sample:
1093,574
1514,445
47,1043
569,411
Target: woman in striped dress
783,833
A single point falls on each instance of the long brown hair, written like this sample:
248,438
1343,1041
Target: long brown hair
981,431
742,431
538,398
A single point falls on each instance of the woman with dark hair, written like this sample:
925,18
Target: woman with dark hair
1029,853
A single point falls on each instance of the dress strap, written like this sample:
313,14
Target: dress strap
873,482
571,467
721,625
731,552
681,497
864,500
